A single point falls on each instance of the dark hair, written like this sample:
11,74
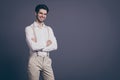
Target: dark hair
41,6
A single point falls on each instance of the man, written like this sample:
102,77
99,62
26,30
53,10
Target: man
41,41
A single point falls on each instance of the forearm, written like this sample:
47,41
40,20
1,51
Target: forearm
51,47
35,46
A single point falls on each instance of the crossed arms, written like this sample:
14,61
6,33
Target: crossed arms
34,45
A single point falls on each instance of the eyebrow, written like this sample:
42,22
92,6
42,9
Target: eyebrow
42,12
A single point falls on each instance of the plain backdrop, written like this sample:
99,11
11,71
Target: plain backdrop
87,31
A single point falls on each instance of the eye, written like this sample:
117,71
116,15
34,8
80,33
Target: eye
45,14
40,13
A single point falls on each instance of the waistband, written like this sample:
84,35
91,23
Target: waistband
39,53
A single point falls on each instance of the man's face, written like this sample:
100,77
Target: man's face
41,15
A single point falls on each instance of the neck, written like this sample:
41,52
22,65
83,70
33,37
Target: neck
40,24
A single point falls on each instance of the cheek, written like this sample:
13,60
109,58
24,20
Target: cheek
39,15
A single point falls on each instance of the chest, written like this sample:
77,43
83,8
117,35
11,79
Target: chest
42,34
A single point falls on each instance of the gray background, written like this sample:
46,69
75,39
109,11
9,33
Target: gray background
87,31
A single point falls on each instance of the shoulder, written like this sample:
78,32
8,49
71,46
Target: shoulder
28,28
50,28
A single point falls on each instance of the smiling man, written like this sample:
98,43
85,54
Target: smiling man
41,40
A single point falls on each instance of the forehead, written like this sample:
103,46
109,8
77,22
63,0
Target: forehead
43,10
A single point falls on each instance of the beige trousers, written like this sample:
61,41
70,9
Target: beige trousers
37,64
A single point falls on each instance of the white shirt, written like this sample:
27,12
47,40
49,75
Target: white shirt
42,35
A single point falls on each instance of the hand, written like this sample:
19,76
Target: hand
49,42
33,39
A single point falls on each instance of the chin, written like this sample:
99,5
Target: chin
41,20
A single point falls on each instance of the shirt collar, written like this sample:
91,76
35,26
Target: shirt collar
37,25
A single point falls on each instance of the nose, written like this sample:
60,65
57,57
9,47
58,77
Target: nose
43,15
